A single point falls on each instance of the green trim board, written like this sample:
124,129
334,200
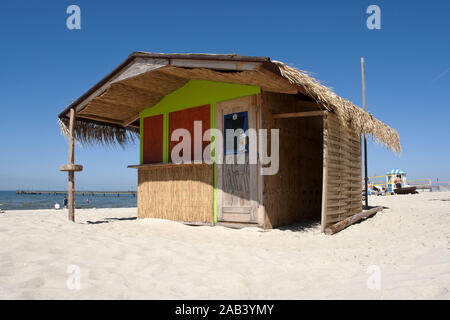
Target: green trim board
193,94
213,153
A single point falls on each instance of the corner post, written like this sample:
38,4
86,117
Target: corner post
323,218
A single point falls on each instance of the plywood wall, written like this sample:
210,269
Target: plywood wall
295,193
185,119
343,190
177,192
153,139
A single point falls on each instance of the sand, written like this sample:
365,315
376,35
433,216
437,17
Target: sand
401,253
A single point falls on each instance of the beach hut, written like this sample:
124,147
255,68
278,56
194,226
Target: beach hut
155,98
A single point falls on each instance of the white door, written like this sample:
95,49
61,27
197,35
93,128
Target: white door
237,186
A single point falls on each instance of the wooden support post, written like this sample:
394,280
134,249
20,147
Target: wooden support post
71,187
365,140
71,167
324,173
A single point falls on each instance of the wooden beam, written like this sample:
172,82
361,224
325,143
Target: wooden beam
351,220
129,121
103,123
71,167
71,185
311,104
297,114
102,119
215,64
113,103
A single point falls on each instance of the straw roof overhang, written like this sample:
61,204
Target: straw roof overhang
109,112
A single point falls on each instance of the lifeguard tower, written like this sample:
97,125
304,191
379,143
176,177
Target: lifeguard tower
390,177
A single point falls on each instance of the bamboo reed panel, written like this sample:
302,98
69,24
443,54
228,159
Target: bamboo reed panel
180,193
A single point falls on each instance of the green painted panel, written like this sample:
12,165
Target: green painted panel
197,93
194,93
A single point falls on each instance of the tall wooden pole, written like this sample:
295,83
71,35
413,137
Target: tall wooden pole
71,186
365,140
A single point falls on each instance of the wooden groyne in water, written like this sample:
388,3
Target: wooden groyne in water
83,193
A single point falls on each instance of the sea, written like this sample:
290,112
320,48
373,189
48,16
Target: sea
10,200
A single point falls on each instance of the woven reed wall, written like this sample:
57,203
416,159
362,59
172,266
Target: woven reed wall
176,192
343,172
295,193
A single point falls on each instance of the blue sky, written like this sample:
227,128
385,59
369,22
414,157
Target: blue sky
44,66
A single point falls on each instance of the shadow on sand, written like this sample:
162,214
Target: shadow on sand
314,224
108,220
304,226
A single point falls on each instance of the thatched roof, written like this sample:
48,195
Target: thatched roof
108,113
89,133
346,111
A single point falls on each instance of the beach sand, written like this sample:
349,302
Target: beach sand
406,247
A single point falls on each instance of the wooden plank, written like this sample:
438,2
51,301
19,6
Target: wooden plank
235,217
352,192
344,151
331,196
334,180
350,144
336,204
101,119
339,174
71,167
341,180
297,114
351,220
337,136
310,104
237,225
130,120
215,64
333,212
341,144
246,210
166,164
341,189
